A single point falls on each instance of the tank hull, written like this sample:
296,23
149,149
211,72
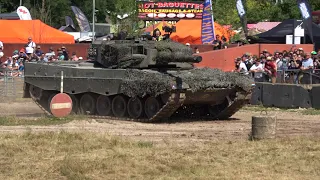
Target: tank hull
85,82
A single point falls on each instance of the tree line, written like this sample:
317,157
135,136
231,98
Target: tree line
53,12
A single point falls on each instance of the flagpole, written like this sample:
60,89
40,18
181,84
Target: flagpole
153,21
213,32
93,19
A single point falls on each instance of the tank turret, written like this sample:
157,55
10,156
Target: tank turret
142,54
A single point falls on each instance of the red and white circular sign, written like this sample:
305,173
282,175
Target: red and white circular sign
61,105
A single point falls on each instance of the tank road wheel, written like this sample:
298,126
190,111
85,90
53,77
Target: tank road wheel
75,103
35,92
152,106
104,106
119,106
135,107
87,104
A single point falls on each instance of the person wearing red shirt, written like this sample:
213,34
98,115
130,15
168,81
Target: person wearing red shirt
270,68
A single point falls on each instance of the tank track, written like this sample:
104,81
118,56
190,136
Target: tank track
202,113
175,101
234,106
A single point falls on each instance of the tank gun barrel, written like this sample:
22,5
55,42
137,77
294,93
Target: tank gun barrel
197,59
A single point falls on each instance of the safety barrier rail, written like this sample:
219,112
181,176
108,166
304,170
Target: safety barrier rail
295,76
11,83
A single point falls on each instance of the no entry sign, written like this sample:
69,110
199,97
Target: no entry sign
61,105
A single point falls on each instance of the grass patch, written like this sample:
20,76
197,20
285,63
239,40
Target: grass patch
311,112
63,155
259,108
42,121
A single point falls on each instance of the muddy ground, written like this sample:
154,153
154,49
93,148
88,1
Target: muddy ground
238,128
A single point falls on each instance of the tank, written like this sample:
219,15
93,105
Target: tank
145,81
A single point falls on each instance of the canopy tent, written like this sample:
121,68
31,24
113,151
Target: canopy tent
189,31
277,35
18,31
10,16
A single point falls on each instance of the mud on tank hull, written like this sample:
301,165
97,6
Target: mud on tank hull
104,93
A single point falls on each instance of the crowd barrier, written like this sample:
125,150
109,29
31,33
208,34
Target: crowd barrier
11,84
283,94
294,89
295,76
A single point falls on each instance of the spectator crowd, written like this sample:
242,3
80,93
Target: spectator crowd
32,53
289,66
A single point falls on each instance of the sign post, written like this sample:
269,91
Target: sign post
61,104
61,83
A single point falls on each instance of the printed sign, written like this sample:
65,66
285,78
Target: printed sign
305,10
61,105
207,26
240,8
170,11
23,13
149,23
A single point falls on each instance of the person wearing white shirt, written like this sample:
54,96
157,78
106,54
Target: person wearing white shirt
1,46
11,61
242,67
29,50
257,69
31,43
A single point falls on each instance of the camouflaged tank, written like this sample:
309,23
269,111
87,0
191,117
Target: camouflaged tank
144,81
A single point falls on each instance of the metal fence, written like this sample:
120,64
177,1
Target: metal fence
295,76
11,84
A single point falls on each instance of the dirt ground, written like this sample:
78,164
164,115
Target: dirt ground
238,128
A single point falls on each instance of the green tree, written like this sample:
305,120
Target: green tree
53,12
224,12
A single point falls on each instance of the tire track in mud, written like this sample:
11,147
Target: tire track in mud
238,128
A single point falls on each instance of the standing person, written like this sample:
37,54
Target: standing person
257,69
1,50
246,61
38,52
242,67
196,50
224,43
31,44
157,35
65,53
60,56
43,58
1,46
30,53
50,53
294,66
263,60
217,43
270,68
306,67
237,63
74,57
